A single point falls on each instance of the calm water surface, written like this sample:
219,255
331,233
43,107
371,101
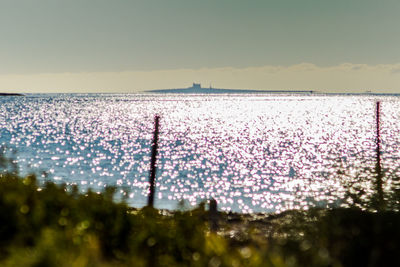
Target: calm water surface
251,153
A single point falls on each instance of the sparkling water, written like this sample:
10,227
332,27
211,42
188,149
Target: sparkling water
252,153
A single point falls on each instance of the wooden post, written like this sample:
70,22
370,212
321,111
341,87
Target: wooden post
153,168
378,168
213,213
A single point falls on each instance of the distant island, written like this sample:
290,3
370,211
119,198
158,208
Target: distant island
197,89
10,94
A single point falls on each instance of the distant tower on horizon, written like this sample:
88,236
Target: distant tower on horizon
196,86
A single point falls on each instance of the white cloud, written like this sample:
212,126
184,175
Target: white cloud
346,77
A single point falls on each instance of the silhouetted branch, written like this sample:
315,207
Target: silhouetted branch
153,167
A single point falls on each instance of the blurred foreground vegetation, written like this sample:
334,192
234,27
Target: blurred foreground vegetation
53,225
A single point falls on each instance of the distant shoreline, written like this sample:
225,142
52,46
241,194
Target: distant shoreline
10,94
226,91
197,89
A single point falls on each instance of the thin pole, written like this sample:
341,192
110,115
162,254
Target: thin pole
153,167
378,168
213,215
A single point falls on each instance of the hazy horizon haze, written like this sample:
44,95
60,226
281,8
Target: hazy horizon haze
86,46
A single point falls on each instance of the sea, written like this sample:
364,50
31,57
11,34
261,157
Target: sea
249,152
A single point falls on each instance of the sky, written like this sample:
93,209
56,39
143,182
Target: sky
136,45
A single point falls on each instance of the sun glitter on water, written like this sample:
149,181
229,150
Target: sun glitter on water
251,153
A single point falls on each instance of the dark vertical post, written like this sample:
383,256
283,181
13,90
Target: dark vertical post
213,213
153,168
378,168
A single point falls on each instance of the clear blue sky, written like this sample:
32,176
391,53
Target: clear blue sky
58,36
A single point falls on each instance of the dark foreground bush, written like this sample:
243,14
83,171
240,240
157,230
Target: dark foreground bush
338,237
53,226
